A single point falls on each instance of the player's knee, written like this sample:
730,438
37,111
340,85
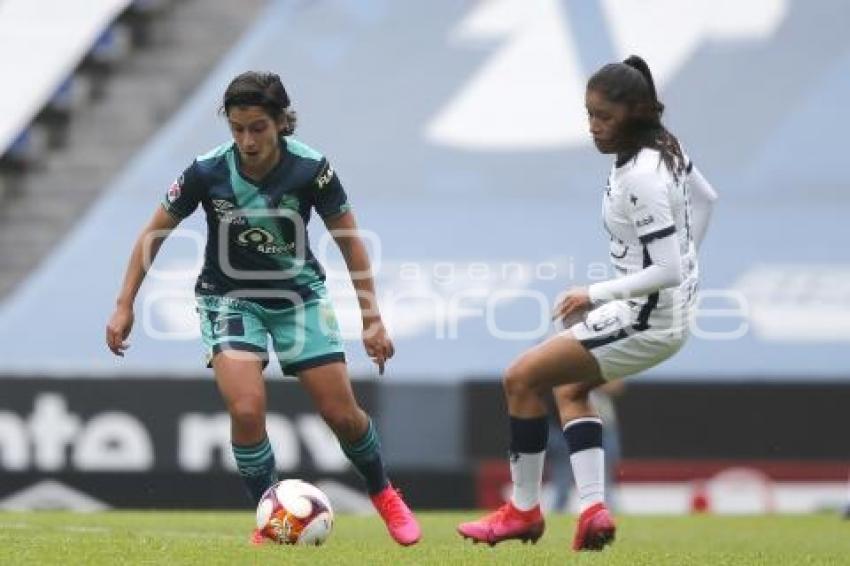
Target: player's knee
346,422
247,415
572,393
518,380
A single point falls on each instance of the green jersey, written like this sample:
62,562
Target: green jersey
257,242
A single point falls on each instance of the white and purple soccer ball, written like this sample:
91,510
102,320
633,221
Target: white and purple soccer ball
295,512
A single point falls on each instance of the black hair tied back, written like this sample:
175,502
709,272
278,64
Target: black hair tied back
630,83
640,65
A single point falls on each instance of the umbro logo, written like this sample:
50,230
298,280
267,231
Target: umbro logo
222,205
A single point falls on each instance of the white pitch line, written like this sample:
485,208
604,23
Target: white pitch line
83,529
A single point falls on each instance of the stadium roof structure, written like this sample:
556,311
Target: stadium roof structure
41,44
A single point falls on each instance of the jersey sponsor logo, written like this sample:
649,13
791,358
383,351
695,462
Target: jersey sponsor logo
645,221
263,241
325,176
254,236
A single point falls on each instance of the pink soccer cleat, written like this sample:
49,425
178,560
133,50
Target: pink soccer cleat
507,522
397,515
595,529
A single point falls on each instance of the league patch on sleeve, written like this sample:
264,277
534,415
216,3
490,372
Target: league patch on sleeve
175,190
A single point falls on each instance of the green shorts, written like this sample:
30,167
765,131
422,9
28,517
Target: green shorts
304,336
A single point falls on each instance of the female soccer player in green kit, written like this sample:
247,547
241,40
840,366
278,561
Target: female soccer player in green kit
260,280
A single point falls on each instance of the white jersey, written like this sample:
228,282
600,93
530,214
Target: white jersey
654,233
643,202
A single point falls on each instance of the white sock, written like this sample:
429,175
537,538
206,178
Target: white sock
589,462
589,473
527,476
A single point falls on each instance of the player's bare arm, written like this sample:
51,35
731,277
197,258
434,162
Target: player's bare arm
377,342
141,258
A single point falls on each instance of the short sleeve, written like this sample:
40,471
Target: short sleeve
184,194
329,197
649,207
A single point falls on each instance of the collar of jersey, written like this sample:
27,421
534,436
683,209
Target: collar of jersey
262,183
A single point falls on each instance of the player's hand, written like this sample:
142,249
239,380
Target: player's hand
378,345
572,306
117,330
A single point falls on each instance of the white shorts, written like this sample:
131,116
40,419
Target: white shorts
625,339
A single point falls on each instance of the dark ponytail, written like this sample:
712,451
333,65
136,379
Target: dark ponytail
631,83
640,65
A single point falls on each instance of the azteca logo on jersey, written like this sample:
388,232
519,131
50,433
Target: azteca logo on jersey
263,241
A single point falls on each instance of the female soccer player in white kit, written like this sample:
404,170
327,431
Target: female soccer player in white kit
656,209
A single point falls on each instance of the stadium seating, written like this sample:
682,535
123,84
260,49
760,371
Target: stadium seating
63,35
80,47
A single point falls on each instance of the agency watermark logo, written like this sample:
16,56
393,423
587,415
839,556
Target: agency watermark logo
428,298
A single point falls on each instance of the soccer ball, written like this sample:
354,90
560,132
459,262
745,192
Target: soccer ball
295,512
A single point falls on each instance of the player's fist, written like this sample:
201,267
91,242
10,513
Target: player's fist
377,342
117,330
572,306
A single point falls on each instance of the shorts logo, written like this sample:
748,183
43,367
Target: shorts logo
329,322
228,325
606,323
325,177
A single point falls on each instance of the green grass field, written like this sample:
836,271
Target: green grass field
221,538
